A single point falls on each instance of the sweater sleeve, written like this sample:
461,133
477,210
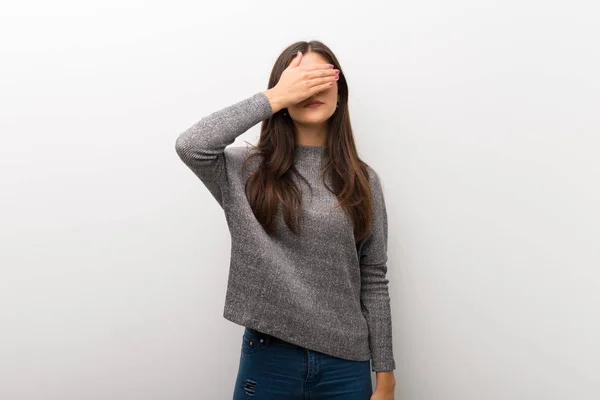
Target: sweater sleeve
375,300
202,146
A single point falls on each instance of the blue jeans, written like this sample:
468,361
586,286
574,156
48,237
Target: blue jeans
271,368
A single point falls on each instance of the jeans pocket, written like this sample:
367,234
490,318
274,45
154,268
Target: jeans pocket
253,341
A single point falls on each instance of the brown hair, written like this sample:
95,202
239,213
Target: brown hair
272,186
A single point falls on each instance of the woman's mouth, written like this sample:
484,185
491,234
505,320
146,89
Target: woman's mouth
313,105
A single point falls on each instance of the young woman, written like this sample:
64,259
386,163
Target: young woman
308,226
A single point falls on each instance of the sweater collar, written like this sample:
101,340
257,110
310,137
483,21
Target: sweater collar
309,158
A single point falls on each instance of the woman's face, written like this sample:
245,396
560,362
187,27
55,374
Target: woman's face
315,115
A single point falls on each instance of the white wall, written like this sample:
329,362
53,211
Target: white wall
482,118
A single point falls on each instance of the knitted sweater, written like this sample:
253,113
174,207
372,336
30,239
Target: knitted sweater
319,290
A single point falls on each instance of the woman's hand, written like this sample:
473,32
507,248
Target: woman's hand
385,387
383,394
298,83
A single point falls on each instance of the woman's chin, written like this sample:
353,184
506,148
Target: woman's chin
312,117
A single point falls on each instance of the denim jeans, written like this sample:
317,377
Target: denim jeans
271,368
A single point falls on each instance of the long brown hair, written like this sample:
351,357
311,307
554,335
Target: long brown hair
271,186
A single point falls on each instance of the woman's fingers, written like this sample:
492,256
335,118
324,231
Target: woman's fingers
322,80
322,72
316,67
320,88
296,60
321,76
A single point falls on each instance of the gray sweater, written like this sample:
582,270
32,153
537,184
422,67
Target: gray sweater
319,290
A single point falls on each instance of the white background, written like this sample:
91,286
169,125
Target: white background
481,117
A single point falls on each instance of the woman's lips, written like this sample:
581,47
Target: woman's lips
313,105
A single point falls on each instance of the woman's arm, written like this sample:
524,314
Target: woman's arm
374,284
202,146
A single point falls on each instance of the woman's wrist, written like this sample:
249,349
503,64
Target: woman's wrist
274,99
385,380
